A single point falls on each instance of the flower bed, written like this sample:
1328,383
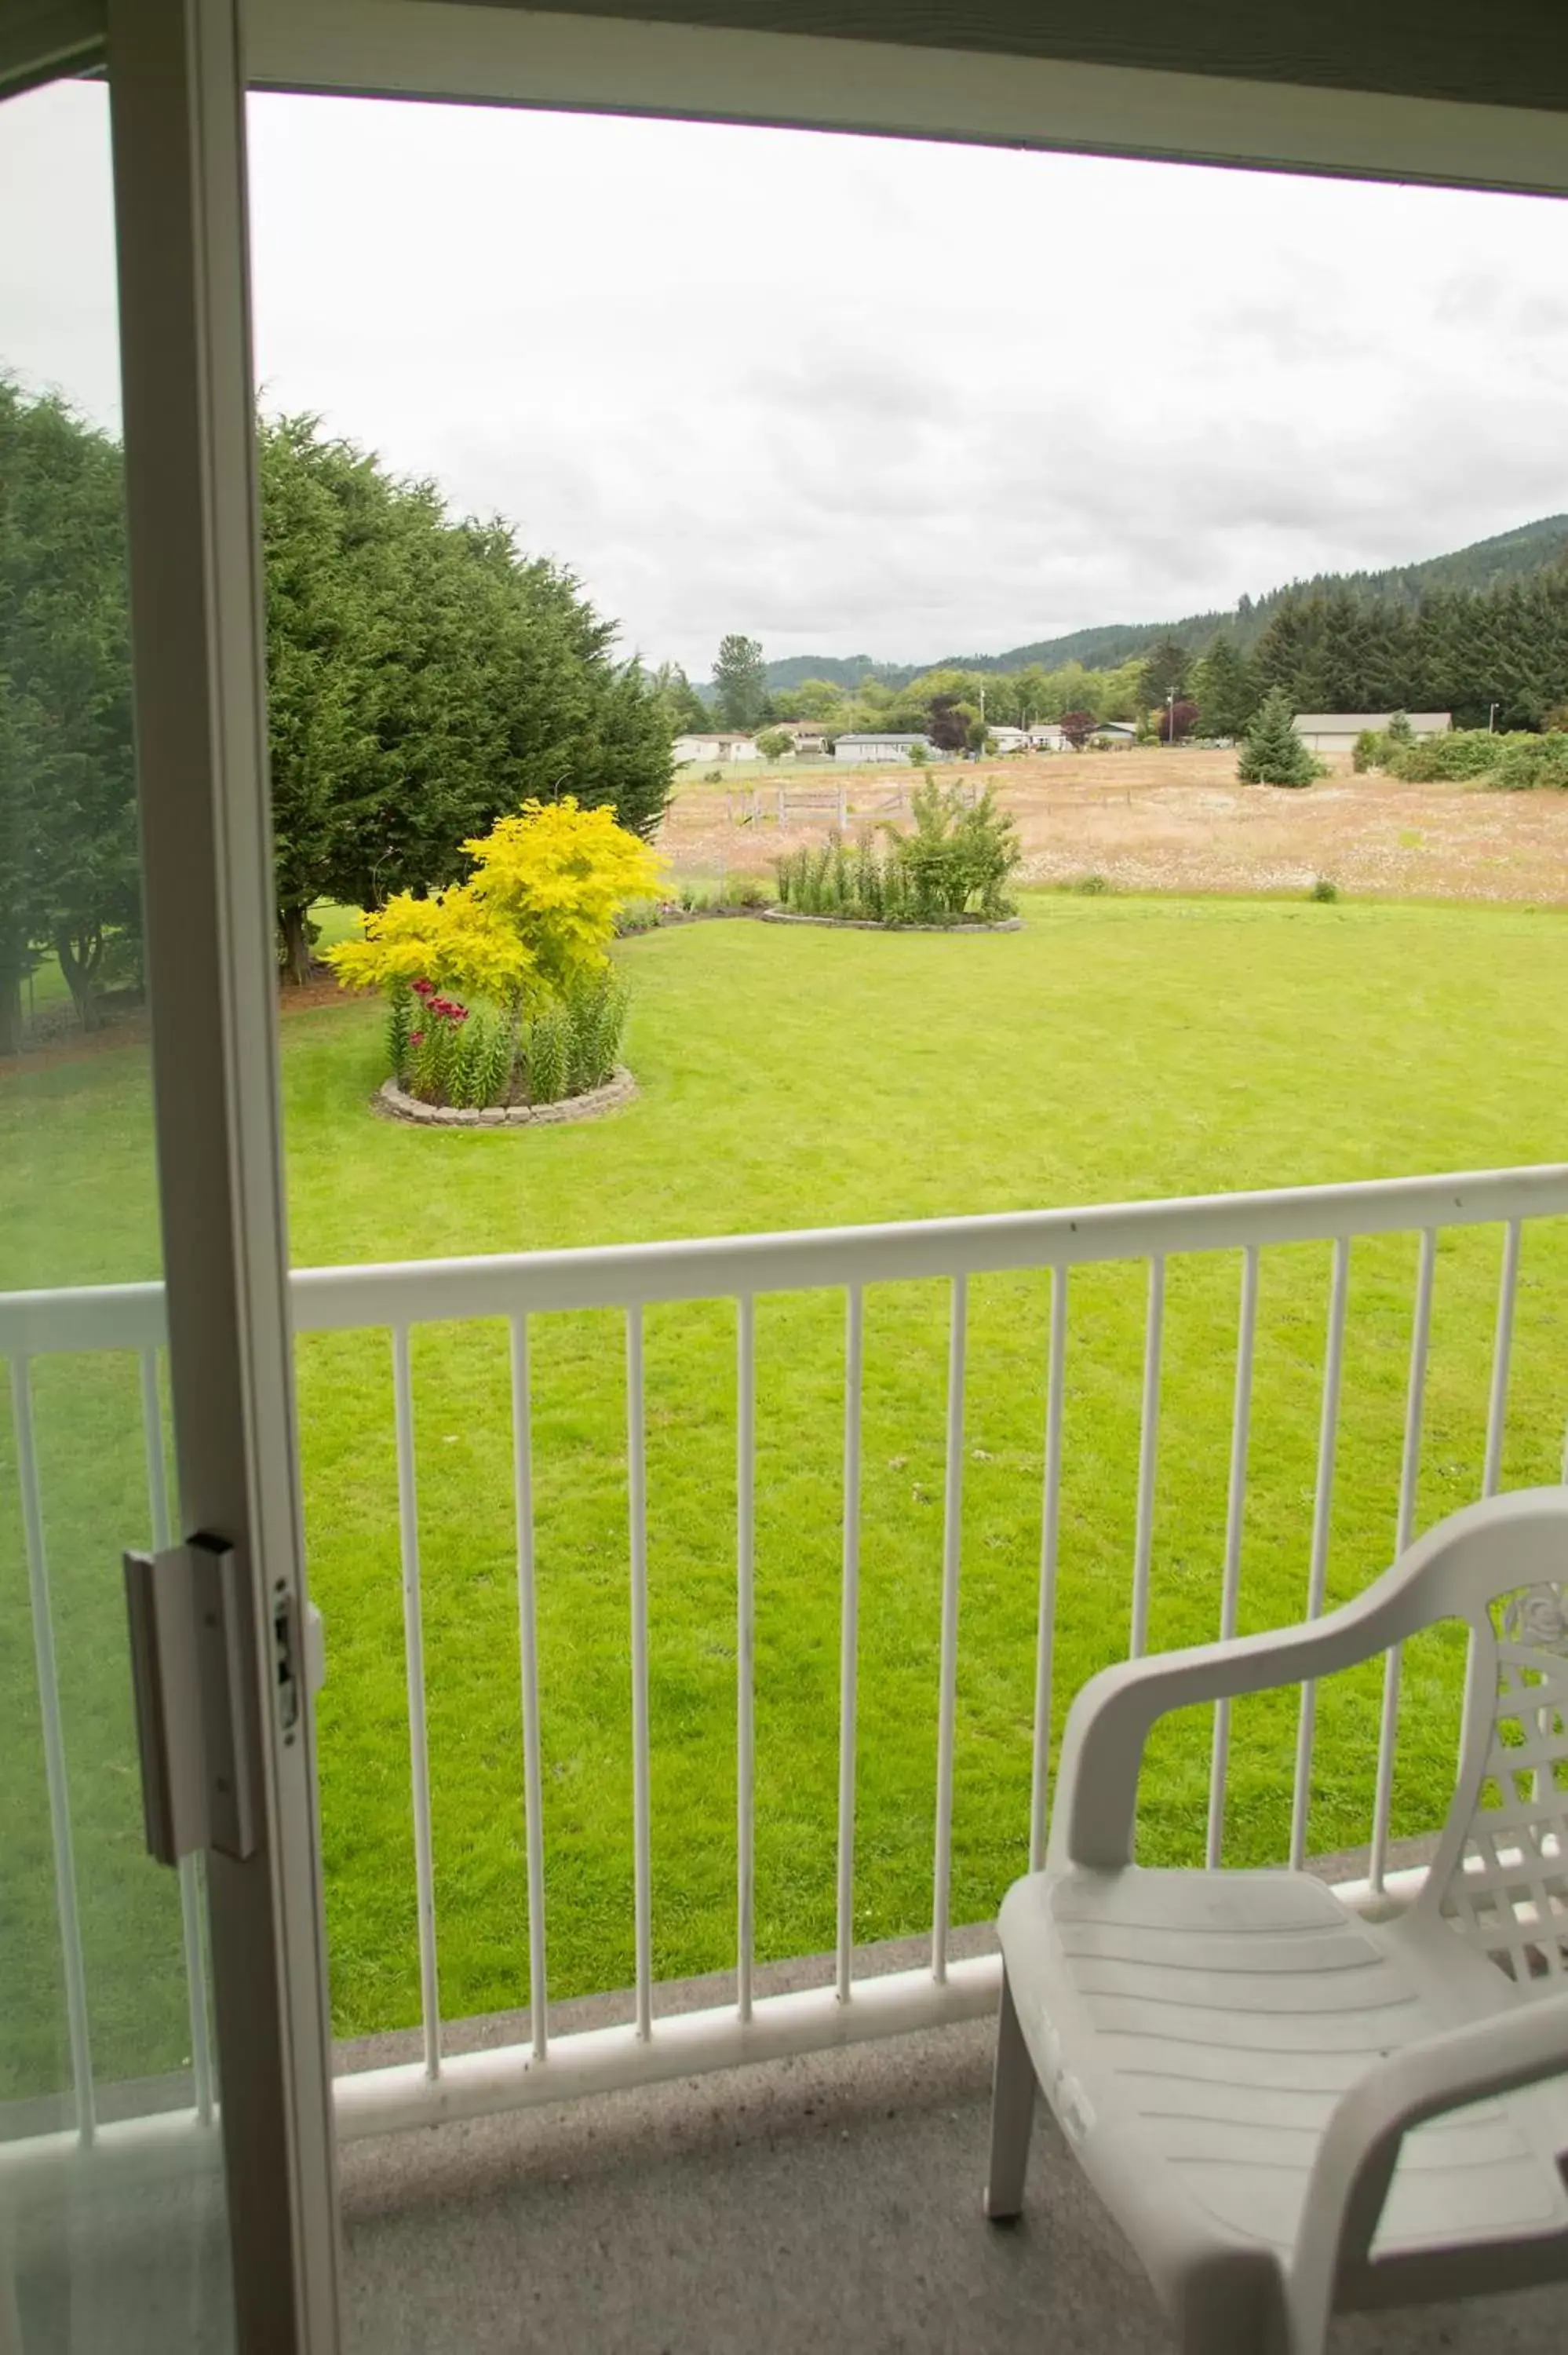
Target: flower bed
528,935
396,1103
874,924
951,870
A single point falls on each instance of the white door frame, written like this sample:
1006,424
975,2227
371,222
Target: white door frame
176,85
176,94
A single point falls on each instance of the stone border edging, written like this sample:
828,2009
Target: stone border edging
394,1104
868,924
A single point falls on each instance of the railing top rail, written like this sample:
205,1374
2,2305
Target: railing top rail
619,1275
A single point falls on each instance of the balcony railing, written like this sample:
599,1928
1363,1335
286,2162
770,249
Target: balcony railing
631,1280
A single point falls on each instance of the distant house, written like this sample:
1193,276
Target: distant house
1114,732
1336,732
1009,739
808,736
878,748
727,744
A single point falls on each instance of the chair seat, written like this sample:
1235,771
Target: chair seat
1192,2033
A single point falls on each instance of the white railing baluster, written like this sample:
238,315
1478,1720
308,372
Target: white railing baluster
746,1646
1496,1398
1148,1456
1050,1533
849,1638
1405,1529
948,1703
1322,1523
55,1780
190,1901
414,1665
637,1511
1235,1508
528,1661
1502,1348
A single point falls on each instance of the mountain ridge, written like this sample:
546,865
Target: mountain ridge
1481,564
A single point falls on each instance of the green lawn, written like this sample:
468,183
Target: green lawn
1115,1048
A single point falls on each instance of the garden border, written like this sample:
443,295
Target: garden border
870,925
394,1103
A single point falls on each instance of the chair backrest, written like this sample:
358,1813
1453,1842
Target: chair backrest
1500,1876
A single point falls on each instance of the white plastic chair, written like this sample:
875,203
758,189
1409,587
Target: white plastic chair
1289,2108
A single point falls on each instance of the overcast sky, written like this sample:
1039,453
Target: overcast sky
861,396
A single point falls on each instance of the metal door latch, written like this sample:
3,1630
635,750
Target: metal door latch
194,1721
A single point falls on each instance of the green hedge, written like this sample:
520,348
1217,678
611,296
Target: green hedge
1441,760
1531,761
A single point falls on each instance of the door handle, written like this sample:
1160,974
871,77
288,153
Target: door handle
195,1728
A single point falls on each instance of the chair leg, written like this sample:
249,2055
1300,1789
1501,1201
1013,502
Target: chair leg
1012,2114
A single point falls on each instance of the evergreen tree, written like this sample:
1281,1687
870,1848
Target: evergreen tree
1285,656
1273,753
1166,671
68,857
1223,685
740,681
424,678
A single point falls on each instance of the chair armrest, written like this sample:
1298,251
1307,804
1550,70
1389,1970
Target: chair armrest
1511,1539
1110,1721
1360,2151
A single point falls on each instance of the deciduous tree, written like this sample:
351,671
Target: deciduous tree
740,681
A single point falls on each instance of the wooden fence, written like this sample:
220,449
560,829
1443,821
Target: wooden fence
838,804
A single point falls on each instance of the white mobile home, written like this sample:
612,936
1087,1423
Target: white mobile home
1336,732
725,744
879,747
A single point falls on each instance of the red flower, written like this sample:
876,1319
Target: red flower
423,988
416,1038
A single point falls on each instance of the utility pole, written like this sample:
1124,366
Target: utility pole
1492,710
1170,725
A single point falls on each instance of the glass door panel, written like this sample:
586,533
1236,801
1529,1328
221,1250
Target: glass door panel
113,2231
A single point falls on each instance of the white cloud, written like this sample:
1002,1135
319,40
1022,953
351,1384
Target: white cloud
865,395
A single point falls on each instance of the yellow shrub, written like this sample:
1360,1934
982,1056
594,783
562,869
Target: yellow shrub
555,876
537,912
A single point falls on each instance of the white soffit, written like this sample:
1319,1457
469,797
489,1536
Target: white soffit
501,55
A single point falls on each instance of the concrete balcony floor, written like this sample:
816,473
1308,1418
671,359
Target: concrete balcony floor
829,2203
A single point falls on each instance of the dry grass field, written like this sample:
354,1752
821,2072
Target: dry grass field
1162,821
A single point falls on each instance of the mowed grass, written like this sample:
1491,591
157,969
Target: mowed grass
1114,1049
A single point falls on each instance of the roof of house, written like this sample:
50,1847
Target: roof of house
1350,723
883,736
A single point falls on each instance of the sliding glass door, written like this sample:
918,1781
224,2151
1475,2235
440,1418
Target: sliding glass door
165,2148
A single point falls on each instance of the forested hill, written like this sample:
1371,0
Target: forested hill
1483,565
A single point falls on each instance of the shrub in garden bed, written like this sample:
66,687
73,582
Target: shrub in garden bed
951,869
527,935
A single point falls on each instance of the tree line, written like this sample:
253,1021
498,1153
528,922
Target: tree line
424,677
1496,655
1026,697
